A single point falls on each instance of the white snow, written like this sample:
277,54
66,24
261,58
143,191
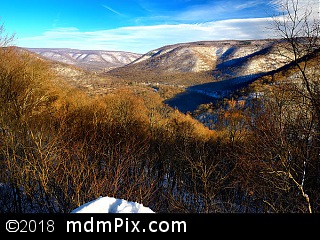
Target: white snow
112,205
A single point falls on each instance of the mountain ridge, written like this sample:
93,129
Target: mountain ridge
206,61
201,55
92,60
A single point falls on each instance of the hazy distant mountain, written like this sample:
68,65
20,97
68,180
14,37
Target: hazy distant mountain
96,60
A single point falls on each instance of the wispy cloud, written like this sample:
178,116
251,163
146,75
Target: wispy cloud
246,5
141,39
302,6
203,20
204,11
114,11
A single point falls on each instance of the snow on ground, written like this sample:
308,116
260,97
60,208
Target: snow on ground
112,205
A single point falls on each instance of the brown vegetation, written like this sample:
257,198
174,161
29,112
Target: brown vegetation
61,147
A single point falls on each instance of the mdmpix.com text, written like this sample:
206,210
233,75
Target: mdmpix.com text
125,225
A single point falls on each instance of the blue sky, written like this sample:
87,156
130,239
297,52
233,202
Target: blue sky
134,25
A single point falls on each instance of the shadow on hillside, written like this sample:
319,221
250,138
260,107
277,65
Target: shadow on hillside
189,101
196,95
239,61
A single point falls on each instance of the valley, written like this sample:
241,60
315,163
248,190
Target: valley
185,74
182,124
188,128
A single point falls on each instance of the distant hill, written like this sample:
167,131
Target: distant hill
245,56
219,59
93,60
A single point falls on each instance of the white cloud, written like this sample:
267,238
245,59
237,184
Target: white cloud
205,12
301,5
141,39
247,5
296,16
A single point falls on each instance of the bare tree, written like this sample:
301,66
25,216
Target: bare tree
5,38
298,29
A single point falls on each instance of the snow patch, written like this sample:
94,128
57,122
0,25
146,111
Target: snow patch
112,205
